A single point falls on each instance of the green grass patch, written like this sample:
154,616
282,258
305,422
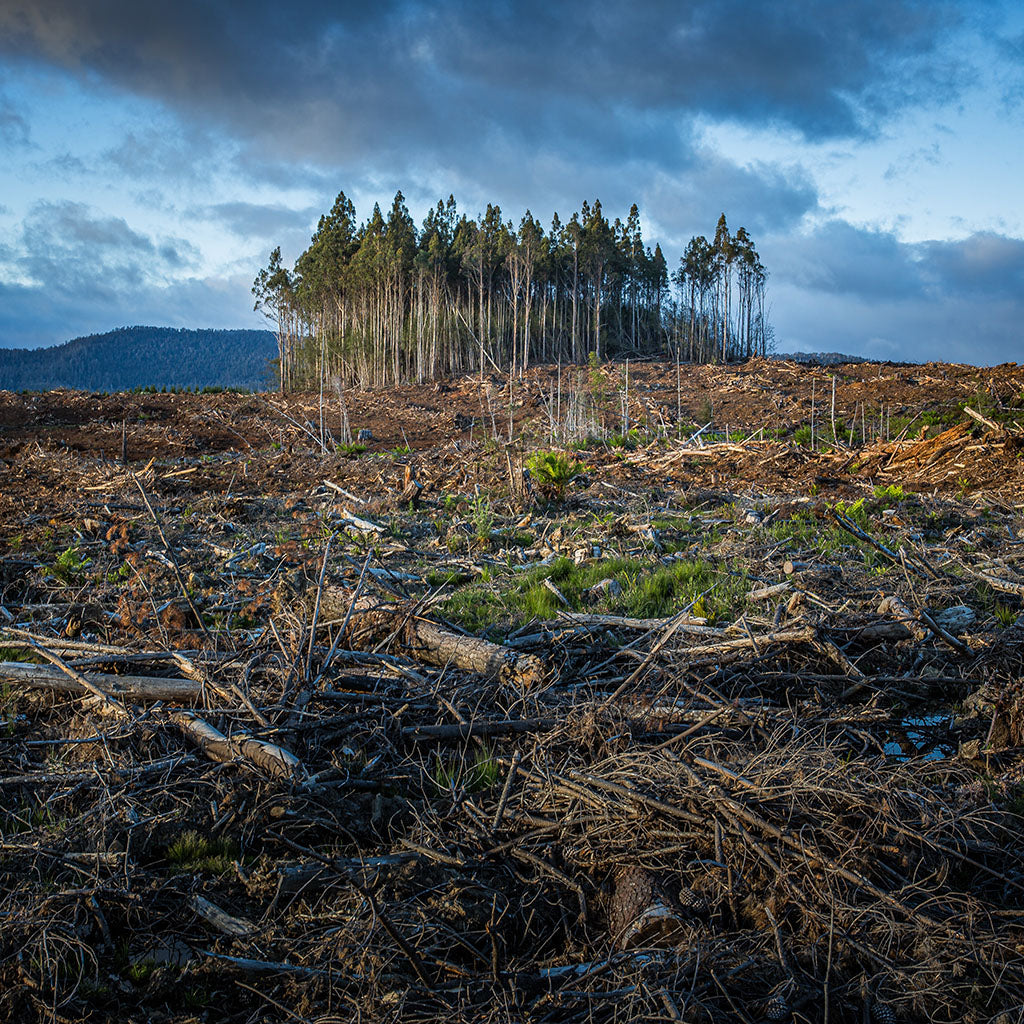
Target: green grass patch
194,853
446,577
647,589
471,775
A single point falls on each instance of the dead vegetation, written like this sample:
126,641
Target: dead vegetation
715,725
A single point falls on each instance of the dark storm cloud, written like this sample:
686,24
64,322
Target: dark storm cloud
871,264
605,81
256,220
848,289
763,198
840,258
984,264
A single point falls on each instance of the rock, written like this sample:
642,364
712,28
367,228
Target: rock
752,517
606,588
365,434
957,619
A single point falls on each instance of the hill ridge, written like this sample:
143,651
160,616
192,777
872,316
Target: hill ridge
142,356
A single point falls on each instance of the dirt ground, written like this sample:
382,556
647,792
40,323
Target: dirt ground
616,693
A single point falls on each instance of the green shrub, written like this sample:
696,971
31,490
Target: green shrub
483,518
552,472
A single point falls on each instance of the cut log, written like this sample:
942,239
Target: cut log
893,606
983,420
371,624
131,688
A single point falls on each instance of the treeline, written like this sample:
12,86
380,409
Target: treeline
137,357
383,302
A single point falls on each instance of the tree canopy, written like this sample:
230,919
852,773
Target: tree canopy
382,301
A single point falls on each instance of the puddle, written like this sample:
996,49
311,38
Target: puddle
926,736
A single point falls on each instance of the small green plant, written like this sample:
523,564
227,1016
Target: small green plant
802,435
476,776
552,472
894,492
1005,615
855,511
68,565
483,518
402,449
139,972
351,448
192,852
196,998
627,441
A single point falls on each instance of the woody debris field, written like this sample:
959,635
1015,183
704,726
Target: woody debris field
629,692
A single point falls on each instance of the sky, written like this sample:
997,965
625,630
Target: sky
151,155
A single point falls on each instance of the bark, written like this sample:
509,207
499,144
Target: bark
131,688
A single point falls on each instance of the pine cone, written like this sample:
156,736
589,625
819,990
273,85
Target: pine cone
692,901
883,1014
777,1009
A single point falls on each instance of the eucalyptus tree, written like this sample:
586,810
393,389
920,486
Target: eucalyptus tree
274,296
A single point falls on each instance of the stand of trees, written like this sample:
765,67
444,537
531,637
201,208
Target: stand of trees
381,302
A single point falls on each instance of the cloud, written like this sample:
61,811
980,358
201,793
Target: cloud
983,264
597,78
37,316
862,291
14,130
68,249
180,152
764,198
248,220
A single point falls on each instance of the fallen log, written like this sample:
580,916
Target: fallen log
216,746
371,623
134,688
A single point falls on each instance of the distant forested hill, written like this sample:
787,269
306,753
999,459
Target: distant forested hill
131,357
